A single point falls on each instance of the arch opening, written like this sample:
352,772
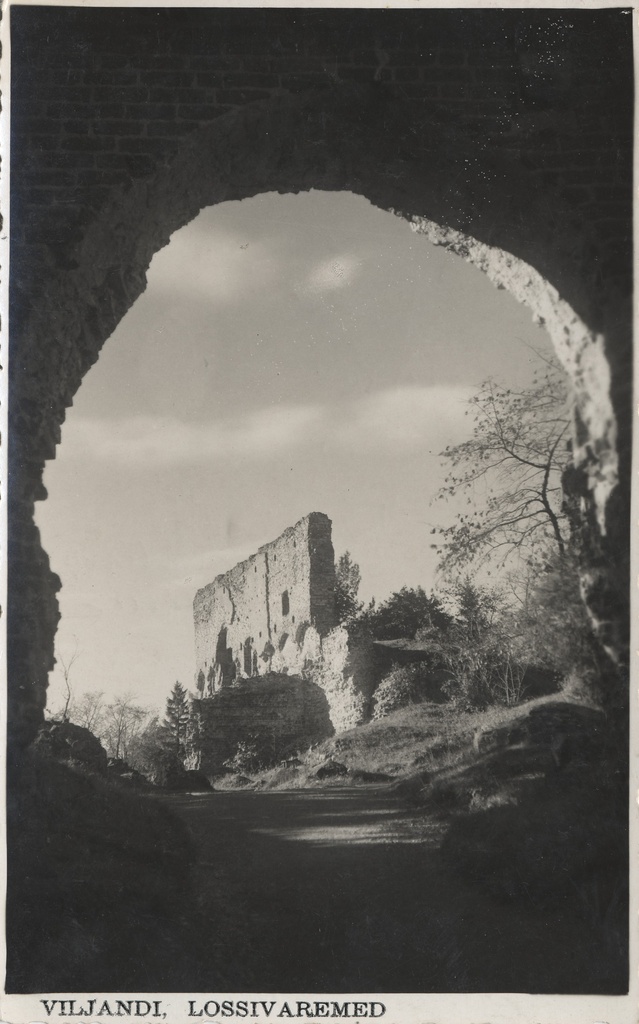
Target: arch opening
212,166
383,366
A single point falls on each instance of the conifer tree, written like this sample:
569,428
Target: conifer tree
176,719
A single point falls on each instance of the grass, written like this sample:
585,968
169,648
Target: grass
416,741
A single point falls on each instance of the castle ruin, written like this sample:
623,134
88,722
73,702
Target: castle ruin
247,615
271,659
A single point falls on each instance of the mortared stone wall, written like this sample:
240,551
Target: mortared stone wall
247,614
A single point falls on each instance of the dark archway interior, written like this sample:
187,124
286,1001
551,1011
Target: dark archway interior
504,135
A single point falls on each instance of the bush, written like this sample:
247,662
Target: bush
246,758
403,685
165,770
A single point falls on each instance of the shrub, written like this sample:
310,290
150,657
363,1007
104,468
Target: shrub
403,685
165,769
247,757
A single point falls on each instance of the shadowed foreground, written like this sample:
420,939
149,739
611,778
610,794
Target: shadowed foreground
343,890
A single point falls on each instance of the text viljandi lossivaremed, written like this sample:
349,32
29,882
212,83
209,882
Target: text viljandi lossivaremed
208,1009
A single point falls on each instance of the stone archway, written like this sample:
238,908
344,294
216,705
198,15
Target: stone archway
390,152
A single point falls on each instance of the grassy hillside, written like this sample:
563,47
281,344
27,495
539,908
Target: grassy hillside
419,740
529,799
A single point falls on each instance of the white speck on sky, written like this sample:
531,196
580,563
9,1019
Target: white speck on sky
291,354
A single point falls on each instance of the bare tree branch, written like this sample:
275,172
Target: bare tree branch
66,672
509,471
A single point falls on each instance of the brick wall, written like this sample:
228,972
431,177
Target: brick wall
100,96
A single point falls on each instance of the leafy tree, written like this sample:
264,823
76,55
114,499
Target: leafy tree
151,753
510,472
347,582
549,616
404,613
479,649
177,718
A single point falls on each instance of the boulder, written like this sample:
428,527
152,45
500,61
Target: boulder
71,744
196,782
363,776
188,781
124,773
330,769
232,781
412,788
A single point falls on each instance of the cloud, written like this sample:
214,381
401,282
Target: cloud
166,440
405,418
212,266
396,419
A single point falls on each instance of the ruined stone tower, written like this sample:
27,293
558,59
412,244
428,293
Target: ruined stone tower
244,618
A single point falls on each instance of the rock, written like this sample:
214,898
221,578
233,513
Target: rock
275,715
564,729
124,773
362,776
572,732
197,782
413,788
547,720
330,769
237,781
134,779
73,745
188,781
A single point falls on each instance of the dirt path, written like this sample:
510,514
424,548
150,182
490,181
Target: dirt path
343,890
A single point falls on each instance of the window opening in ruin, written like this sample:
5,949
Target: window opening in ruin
225,666
210,677
248,659
285,603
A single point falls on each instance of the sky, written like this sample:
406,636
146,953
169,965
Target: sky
291,354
